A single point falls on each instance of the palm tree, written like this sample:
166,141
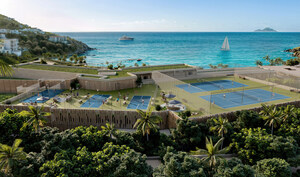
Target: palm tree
212,151
221,127
267,58
71,58
37,117
5,69
109,130
258,63
289,112
10,155
147,122
272,115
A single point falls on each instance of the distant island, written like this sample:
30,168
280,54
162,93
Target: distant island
267,29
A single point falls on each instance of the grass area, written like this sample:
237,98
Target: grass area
192,101
123,73
61,69
5,96
146,90
119,74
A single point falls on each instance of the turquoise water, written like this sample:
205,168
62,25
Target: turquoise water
195,48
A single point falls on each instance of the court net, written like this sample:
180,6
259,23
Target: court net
212,83
172,85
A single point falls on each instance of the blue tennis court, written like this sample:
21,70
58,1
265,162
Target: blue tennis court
47,94
210,86
95,101
137,102
241,98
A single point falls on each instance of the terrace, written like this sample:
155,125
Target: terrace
94,71
205,92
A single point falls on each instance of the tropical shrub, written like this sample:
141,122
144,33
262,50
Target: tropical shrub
233,168
187,135
180,164
273,167
253,145
112,160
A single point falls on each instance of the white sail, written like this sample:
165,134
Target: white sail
225,45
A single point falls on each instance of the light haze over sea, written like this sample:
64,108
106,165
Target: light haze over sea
195,48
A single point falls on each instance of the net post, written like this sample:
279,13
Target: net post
243,94
210,98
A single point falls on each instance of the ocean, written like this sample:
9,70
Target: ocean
194,48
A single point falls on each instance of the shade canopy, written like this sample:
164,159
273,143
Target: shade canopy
174,102
170,96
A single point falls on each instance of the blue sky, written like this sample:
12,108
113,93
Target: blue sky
155,15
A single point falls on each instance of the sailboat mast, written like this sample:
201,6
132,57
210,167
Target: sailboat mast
225,45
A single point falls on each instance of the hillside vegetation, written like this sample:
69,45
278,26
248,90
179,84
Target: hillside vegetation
35,44
9,23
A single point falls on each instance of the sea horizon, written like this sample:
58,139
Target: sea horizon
194,48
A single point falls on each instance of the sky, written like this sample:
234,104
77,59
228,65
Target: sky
155,15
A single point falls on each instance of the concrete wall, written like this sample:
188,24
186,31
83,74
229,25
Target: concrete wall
107,84
42,74
71,118
10,86
181,74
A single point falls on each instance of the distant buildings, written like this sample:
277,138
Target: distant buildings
34,30
20,31
62,39
10,46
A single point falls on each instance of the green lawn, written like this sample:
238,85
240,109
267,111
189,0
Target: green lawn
190,100
122,73
62,69
5,96
146,90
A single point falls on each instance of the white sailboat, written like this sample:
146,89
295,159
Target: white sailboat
225,45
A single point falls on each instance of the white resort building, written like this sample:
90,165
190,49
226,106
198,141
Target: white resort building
62,39
10,46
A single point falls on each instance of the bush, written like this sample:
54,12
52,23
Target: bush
180,164
43,61
253,145
233,168
110,66
187,134
139,81
75,84
158,107
273,168
185,114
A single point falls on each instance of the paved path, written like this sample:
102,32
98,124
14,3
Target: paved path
289,70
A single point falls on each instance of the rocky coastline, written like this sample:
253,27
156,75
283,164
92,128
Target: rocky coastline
295,51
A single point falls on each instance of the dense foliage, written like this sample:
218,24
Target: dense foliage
9,23
90,151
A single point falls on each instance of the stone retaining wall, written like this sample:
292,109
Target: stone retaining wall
10,86
71,118
107,84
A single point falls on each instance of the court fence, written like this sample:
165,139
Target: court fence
221,96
